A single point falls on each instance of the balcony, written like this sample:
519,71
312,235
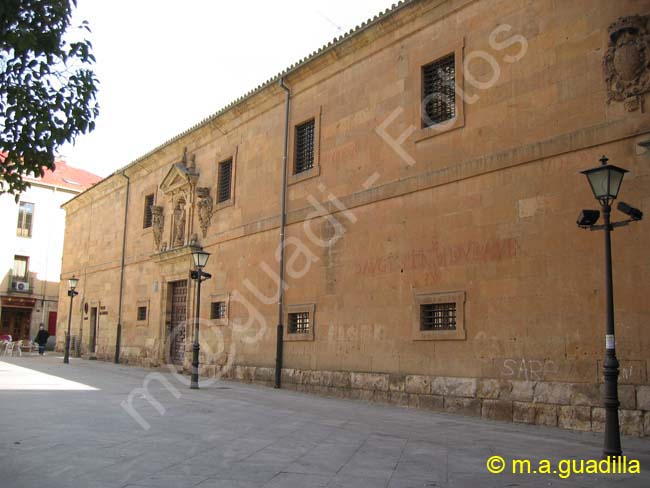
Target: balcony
21,284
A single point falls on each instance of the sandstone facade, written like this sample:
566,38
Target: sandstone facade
478,212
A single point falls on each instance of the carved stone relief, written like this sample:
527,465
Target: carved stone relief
178,237
205,204
627,61
158,224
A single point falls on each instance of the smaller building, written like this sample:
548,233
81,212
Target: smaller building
31,249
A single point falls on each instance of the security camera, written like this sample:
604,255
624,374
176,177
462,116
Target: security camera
587,218
633,213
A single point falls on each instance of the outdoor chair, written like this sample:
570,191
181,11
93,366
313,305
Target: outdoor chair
11,348
27,346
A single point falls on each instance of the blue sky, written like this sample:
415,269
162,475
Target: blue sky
165,65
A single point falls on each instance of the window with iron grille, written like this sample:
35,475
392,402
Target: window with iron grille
438,91
438,316
304,147
299,323
148,213
142,313
218,310
25,216
224,181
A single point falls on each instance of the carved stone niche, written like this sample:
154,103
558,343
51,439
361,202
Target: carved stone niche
626,63
205,205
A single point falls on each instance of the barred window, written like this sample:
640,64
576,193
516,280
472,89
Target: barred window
299,323
438,91
148,213
218,310
224,181
438,316
25,217
304,147
142,313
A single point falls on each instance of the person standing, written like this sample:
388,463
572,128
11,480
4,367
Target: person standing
41,339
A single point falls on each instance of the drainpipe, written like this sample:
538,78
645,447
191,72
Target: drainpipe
283,221
118,338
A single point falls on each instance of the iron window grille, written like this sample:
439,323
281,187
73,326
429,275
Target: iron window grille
25,217
299,323
438,316
218,310
148,213
224,181
142,313
304,147
438,91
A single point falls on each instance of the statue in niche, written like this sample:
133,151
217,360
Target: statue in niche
205,208
627,60
179,224
157,222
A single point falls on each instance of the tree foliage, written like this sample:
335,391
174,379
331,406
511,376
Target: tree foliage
47,87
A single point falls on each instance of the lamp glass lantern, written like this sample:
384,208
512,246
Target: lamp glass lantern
73,282
605,181
200,258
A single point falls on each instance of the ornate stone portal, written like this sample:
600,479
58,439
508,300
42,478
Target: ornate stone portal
183,199
627,60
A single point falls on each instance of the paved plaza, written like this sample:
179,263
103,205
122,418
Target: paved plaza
66,426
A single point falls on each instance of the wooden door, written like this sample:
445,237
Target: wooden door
51,324
15,322
93,329
178,323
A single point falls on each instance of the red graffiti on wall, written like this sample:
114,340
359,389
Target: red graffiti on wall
437,256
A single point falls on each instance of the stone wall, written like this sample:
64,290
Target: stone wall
484,211
574,406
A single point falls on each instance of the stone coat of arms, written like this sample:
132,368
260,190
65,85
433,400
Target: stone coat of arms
627,60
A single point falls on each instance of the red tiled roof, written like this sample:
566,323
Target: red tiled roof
67,177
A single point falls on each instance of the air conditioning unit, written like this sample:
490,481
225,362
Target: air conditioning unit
21,286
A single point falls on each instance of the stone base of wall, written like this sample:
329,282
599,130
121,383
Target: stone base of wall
574,406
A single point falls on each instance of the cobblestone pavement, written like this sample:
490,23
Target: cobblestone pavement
64,426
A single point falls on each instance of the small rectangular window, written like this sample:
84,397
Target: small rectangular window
224,182
439,91
438,316
142,313
25,217
218,310
304,147
148,213
299,323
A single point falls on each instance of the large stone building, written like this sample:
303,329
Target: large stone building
31,248
431,253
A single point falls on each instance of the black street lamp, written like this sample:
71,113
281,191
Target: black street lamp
605,181
200,259
72,284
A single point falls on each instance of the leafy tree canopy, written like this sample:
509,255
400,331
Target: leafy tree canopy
47,87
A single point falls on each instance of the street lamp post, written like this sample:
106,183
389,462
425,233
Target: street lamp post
605,181
72,284
200,259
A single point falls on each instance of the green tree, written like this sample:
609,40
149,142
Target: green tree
47,87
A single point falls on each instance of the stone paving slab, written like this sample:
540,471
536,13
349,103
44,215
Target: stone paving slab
64,426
